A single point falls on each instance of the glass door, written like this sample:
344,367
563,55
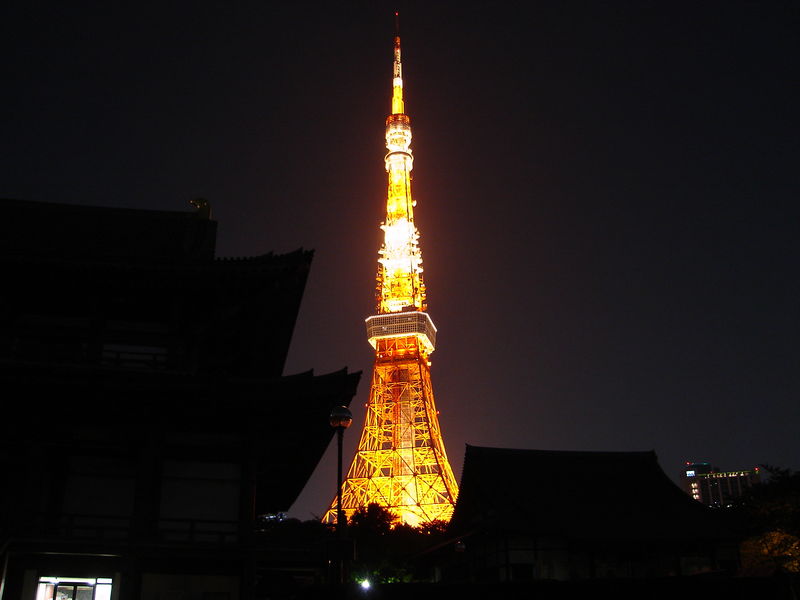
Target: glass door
74,588
74,591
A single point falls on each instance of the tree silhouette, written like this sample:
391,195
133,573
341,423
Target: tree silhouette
385,548
769,519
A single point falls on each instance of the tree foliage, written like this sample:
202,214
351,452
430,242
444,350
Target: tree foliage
771,552
385,548
769,519
373,520
770,505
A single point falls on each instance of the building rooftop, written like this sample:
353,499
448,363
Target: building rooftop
50,229
583,495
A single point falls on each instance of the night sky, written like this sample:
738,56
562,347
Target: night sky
606,194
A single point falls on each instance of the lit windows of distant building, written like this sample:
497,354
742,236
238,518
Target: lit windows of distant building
717,488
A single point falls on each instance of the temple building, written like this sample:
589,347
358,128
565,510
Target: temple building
148,424
536,515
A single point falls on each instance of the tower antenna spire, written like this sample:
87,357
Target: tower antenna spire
398,108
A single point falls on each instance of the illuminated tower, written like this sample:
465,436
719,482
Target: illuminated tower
400,463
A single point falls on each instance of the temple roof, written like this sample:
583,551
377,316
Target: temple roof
121,326
579,495
72,231
93,274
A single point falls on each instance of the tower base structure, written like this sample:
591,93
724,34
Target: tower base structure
400,463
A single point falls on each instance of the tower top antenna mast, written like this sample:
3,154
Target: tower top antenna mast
398,106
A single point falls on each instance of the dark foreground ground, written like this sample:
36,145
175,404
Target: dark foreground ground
666,589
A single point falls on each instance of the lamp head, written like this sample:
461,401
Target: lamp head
341,417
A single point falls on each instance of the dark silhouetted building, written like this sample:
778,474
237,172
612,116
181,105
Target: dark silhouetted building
533,515
147,423
717,488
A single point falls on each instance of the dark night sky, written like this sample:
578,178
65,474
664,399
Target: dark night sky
607,194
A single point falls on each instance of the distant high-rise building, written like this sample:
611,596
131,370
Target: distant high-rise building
713,487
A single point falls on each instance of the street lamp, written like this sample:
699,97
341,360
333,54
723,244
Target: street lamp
340,419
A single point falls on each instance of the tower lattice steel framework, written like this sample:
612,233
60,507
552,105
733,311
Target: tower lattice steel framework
400,463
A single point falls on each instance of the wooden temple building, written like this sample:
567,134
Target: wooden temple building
539,515
147,424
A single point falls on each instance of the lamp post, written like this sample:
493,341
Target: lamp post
340,419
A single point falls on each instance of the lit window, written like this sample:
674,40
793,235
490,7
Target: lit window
74,588
690,473
102,591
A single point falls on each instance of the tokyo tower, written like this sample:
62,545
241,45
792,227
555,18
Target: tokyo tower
400,463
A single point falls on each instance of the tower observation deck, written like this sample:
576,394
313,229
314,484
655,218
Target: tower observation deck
400,462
